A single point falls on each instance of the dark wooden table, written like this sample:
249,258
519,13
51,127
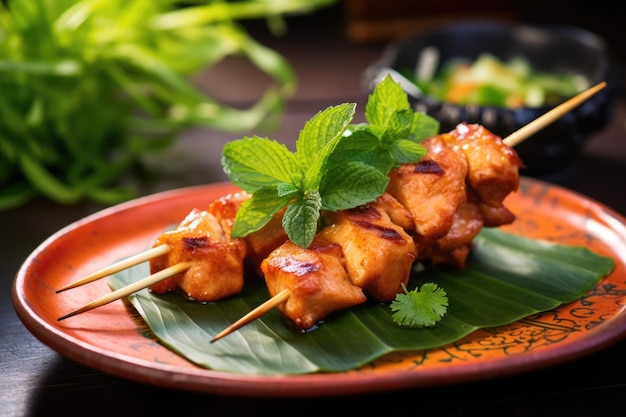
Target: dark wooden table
37,381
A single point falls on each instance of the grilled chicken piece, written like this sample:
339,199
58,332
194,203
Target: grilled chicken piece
217,260
225,209
261,242
492,216
493,166
453,248
495,216
456,189
456,257
378,252
468,222
433,188
316,278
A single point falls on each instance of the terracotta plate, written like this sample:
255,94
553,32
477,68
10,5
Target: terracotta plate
115,340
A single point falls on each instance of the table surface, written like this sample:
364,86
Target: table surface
38,381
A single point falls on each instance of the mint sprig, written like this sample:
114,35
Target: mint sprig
337,165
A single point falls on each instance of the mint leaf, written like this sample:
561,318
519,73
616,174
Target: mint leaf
391,119
318,139
286,190
301,217
398,127
387,98
253,162
259,209
423,127
406,151
336,166
278,178
360,144
351,185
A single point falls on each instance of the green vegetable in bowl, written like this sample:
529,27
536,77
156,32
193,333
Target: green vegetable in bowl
489,81
89,87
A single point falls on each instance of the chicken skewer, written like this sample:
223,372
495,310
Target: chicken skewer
512,140
439,202
492,186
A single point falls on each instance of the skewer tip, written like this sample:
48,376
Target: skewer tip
551,116
118,266
275,301
68,315
131,288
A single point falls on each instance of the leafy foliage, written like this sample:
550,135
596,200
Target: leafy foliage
90,86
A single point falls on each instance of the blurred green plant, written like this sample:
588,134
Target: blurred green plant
88,87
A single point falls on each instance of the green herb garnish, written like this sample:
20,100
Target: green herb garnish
421,307
337,165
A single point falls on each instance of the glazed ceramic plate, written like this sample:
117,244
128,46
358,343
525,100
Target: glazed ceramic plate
114,339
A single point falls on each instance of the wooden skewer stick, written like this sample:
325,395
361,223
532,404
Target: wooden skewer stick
131,288
119,266
513,139
275,301
551,116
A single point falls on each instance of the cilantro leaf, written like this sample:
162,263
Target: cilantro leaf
420,308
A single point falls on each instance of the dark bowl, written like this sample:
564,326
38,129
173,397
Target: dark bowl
551,153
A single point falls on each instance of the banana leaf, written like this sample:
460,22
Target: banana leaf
507,278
